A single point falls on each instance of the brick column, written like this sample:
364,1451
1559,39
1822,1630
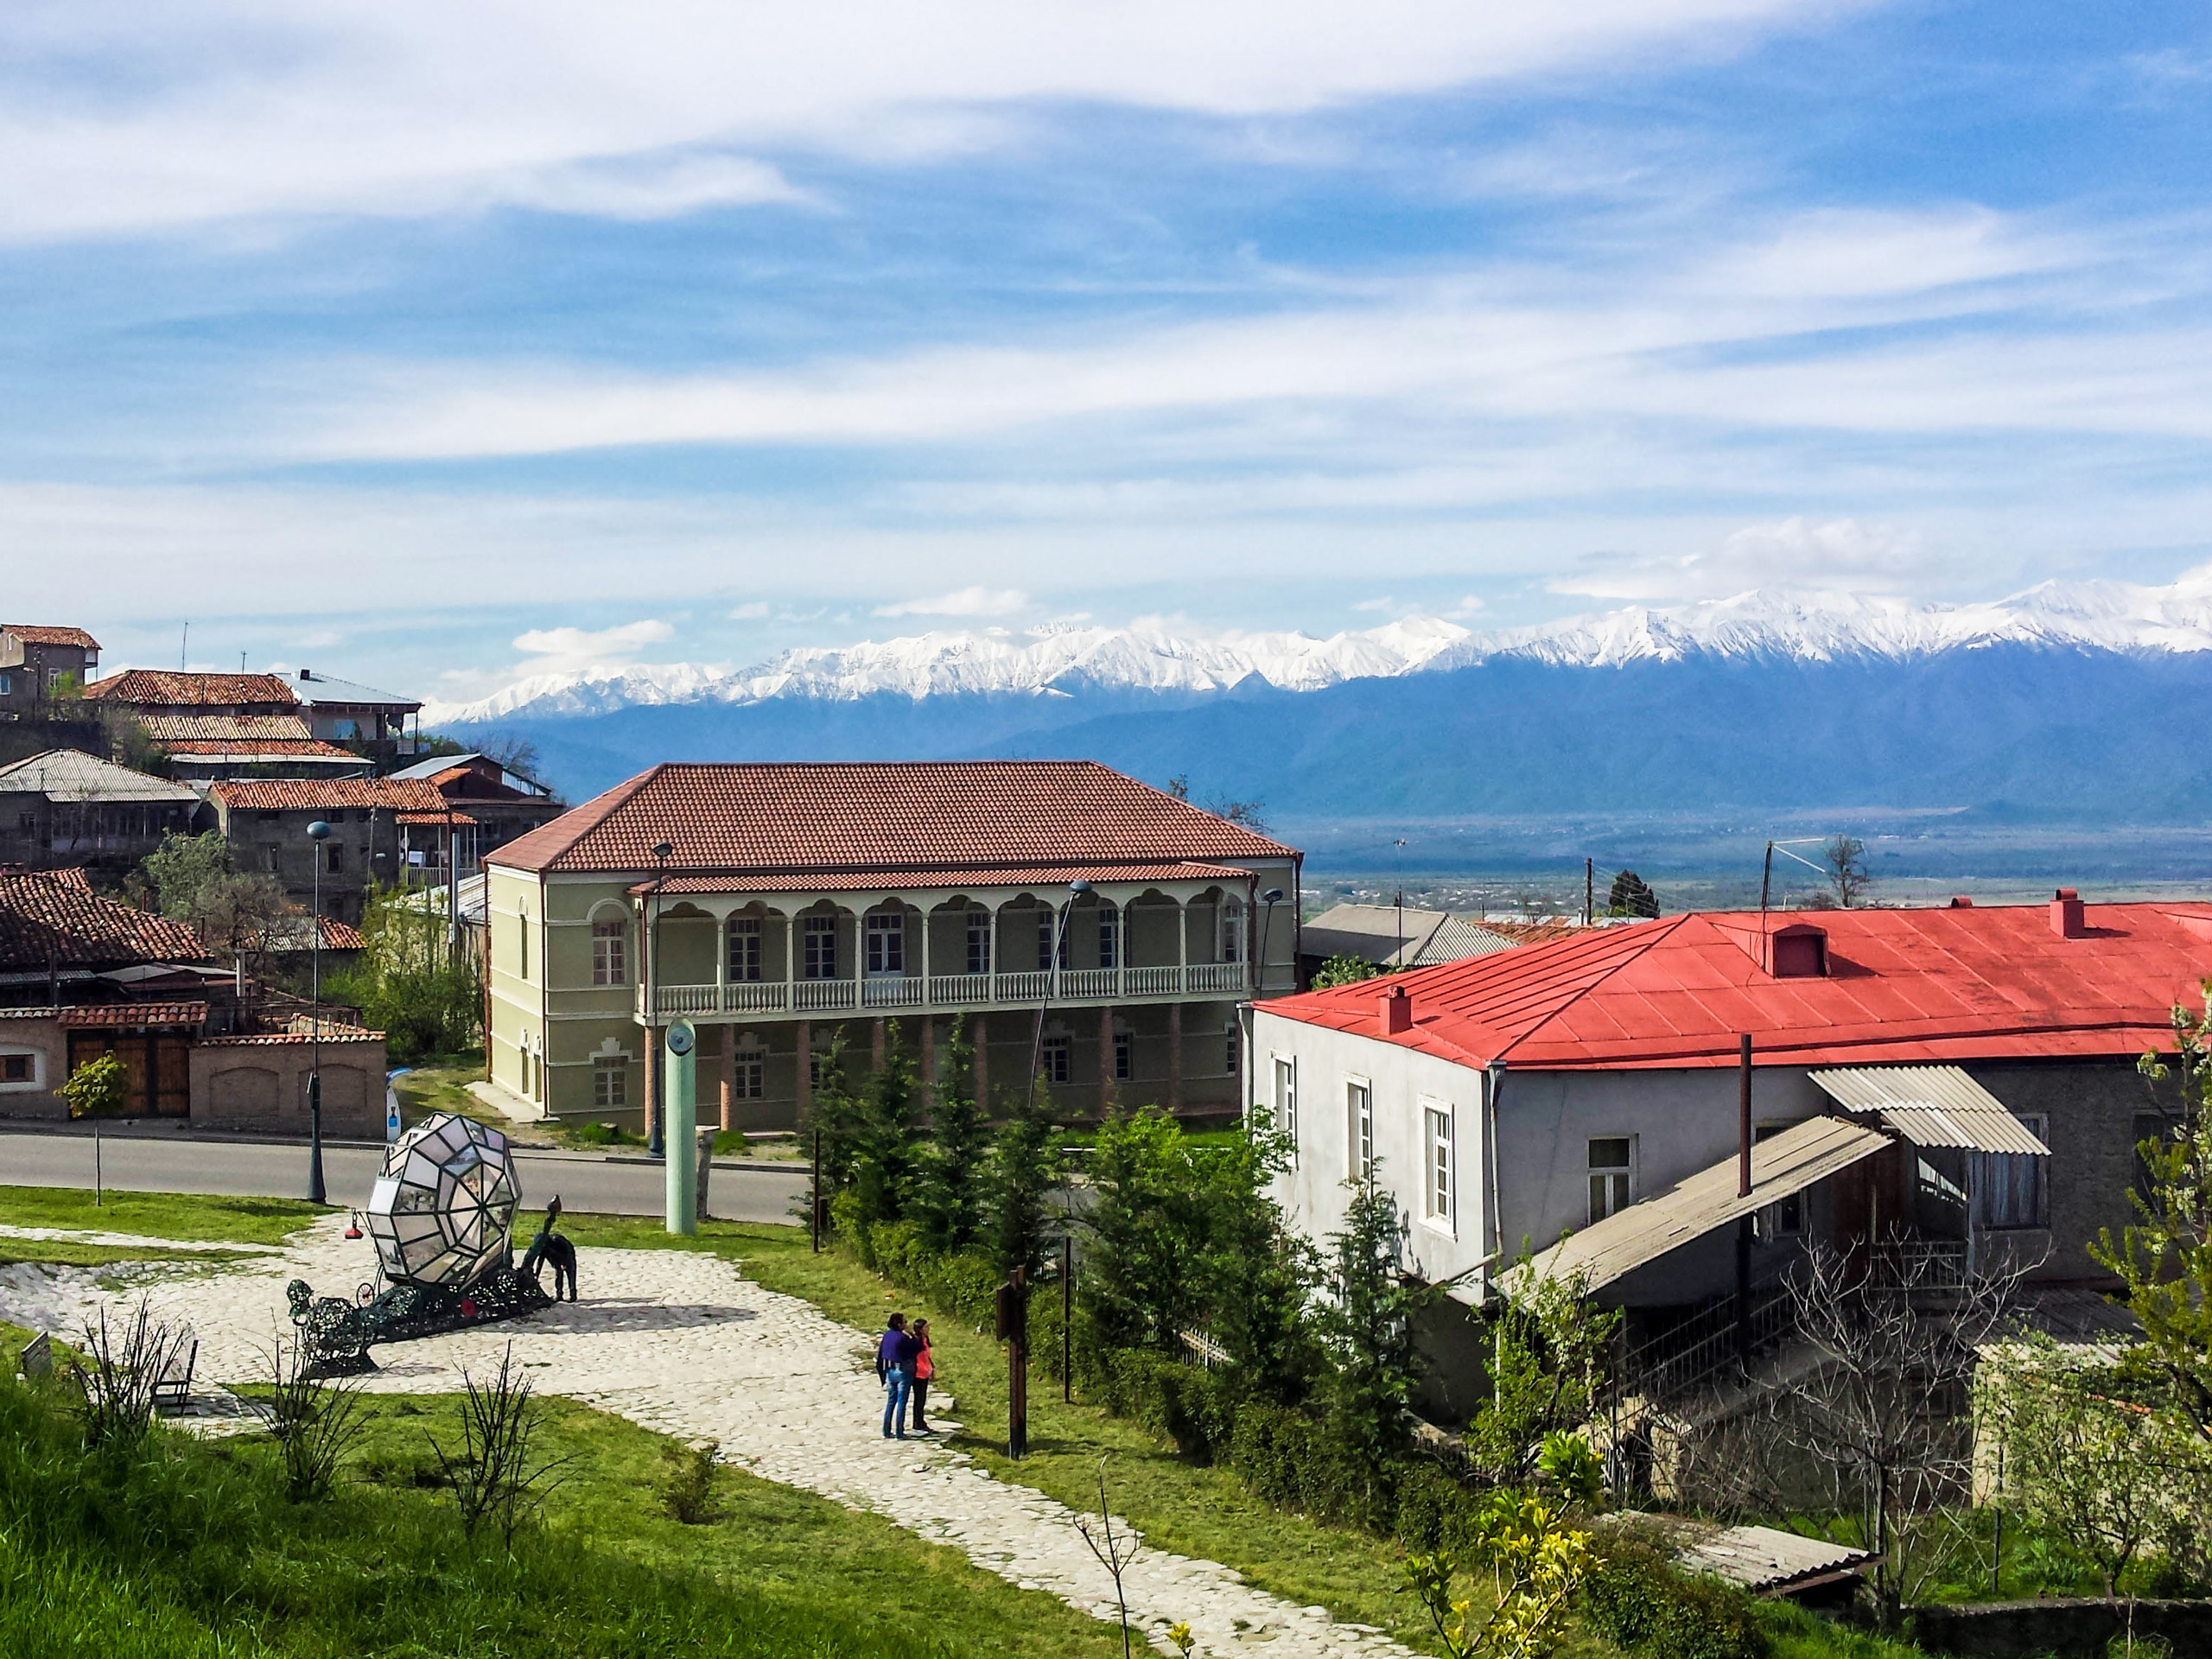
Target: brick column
1174,1055
1105,1058
980,1038
802,1030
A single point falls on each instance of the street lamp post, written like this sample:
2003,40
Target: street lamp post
656,1140
1271,898
1077,888
318,832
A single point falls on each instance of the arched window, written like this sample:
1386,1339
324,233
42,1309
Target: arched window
610,951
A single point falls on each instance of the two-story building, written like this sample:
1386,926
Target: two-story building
785,909
375,822
36,661
1958,1082
217,726
500,801
356,716
66,808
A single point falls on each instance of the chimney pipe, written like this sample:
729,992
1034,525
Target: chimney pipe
1397,1011
1744,1118
2067,917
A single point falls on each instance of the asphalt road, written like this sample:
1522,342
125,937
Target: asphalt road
145,1163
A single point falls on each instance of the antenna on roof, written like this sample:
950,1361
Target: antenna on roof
182,645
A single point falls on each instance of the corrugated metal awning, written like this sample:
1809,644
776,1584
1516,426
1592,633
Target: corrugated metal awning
1801,1156
1931,1106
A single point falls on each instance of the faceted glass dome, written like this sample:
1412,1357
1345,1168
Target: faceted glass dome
442,1211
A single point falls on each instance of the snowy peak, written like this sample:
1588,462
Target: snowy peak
1071,661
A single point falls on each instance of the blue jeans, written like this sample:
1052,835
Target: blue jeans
895,1384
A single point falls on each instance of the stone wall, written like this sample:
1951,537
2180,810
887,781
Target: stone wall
261,1083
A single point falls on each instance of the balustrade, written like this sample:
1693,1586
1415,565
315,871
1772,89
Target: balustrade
1071,985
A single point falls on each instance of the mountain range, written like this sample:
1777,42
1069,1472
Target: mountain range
2069,702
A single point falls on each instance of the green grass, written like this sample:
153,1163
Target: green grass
70,1253
157,1215
193,1553
439,1082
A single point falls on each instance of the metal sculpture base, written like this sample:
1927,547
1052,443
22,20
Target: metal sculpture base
338,1334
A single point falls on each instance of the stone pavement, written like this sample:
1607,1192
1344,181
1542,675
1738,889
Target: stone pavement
679,1341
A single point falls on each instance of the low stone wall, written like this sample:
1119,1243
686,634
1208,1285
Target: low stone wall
261,1083
2028,1629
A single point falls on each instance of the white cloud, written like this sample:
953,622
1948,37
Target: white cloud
1838,556
1383,604
121,115
967,601
1466,607
752,611
573,648
648,187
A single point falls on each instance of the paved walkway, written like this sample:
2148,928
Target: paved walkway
681,1342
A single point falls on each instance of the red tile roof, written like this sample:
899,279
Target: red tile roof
33,634
274,748
331,1035
968,816
438,819
854,881
223,728
54,916
167,689
329,794
1993,981
132,1015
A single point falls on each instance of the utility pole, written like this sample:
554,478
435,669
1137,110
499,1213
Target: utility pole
1589,891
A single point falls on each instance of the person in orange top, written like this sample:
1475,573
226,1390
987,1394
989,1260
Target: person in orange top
925,1369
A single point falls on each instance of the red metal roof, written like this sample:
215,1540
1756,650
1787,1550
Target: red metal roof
32,634
330,794
132,1016
168,689
54,917
959,815
1987,983
934,880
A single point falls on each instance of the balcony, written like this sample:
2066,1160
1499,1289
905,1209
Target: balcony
953,993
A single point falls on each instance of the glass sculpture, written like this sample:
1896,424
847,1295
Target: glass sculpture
442,1211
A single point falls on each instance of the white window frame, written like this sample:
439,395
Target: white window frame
1285,1075
748,1078
610,951
887,944
981,925
818,943
1232,930
1439,1180
747,971
1359,1126
610,1083
1624,1174
37,1078
1109,935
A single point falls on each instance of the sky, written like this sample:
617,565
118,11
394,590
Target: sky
434,345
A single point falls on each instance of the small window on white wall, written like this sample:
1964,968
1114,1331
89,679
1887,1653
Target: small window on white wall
1287,1097
1359,1111
1439,1191
18,1068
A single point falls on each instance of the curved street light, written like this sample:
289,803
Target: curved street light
656,1139
1077,888
318,832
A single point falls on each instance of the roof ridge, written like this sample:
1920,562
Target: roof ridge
1601,936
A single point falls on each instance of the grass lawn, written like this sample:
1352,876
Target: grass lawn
156,1215
194,1551
70,1253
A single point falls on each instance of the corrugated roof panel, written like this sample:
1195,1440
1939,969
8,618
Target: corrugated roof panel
1931,1106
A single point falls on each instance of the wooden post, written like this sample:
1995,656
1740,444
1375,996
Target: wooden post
1013,1331
1067,1317
814,1208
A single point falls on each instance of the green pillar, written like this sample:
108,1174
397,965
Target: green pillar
680,1136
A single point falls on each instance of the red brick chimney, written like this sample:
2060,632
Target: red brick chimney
2066,914
1959,901
1397,1011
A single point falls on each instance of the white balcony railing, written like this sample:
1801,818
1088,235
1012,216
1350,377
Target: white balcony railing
1071,985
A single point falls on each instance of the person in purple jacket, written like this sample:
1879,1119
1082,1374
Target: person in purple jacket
895,1354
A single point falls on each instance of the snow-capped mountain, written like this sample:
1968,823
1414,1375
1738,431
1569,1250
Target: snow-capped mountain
1804,627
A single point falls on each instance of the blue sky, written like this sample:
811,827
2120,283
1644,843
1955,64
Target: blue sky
387,337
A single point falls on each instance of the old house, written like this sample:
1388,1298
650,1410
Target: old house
214,725
37,662
788,909
358,717
66,808
501,802
375,822
1958,1081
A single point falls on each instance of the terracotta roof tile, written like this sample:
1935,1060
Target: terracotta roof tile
54,916
165,688
1904,985
963,815
191,729
32,634
329,794
132,1015
296,1039
868,880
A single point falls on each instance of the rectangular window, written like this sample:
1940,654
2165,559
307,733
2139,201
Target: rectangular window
1047,927
522,936
979,941
744,950
821,947
1109,937
1784,1217
2012,1188
1232,932
1359,1110
337,858
1124,1061
1055,1063
749,1074
610,1083
1286,1098
15,1068
1438,1189
1612,1172
7,686
887,944
610,952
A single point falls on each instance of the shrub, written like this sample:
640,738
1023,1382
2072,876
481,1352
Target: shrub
1638,1601
1176,1402
686,1490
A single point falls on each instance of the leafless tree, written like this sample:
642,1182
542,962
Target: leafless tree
1115,1551
1845,857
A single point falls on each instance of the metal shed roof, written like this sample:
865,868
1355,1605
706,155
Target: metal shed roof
1931,1106
1801,1156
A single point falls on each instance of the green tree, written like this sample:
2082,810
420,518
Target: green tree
190,879
1536,1562
1025,1164
100,1088
948,1201
1345,971
1631,895
1259,1275
1846,858
883,1139
1366,1323
1144,1274
409,982
1548,1344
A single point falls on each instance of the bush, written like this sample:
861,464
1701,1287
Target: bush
1637,1601
686,1490
1176,1402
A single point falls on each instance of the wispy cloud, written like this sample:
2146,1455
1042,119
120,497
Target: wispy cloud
568,648
965,601
1841,555
752,610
